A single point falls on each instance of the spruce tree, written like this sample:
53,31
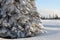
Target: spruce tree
19,19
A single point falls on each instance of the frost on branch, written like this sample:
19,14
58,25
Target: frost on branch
19,18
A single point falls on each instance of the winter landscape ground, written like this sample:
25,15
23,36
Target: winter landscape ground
50,35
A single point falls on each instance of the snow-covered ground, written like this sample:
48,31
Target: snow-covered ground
50,35
51,23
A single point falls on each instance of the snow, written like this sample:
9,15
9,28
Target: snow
50,35
50,23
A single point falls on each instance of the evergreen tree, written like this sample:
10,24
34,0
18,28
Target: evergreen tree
18,18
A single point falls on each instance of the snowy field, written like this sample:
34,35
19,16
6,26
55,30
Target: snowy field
51,23
50,35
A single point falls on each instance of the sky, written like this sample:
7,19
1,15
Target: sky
46,7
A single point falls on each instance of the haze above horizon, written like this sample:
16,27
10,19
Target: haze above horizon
48,7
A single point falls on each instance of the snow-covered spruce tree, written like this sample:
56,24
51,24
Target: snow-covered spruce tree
19,18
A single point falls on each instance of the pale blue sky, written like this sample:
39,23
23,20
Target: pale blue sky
50,5
53,4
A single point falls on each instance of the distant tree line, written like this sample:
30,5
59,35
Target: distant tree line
53,17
